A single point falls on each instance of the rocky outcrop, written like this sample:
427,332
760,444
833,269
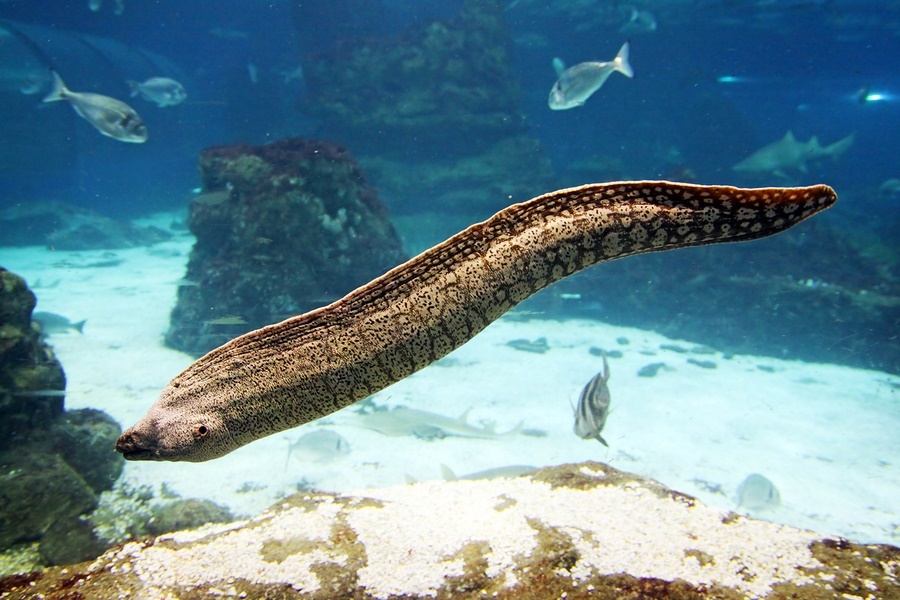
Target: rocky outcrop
281,229
53,463
433,114
63,226
575,531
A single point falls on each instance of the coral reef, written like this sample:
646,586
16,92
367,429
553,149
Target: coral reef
445,86
53,462
440,83
281,229
574,531
122,513
65,227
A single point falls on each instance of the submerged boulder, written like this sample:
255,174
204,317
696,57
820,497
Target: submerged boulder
574,531
434,114
281,229
64,226
53,462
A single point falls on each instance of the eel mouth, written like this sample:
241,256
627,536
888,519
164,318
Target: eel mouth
131,447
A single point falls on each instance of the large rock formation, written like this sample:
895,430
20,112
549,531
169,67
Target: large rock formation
281,229
53,463
576,531
434,114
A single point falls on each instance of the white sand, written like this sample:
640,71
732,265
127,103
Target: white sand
826,435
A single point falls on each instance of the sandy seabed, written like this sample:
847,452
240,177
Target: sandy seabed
826,435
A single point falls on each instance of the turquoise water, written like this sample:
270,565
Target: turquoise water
434,115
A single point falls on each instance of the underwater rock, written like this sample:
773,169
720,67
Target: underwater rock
650,370
703,364
448,87
53,463
32,381
37,488
574,531
83,437
281,229
439,82
62,226
538,346
69,540
188,513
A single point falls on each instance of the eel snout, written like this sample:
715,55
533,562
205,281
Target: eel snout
136,446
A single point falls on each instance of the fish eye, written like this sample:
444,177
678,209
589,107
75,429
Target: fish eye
200,432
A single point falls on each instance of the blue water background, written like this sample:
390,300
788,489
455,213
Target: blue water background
803,65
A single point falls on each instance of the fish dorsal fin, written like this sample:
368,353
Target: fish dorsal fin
813,146
463,419
789,136
447,473
559,66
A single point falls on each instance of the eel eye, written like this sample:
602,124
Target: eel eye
200,431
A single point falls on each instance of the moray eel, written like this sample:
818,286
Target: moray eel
309,366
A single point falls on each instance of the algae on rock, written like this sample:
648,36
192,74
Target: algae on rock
281,229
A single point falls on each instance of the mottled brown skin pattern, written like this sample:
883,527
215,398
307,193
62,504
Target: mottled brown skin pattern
306,367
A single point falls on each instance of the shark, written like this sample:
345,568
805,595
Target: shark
790,154
400,421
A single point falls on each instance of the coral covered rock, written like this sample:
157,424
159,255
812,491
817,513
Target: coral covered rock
440,83
53,463
433,114
574,531
281,229
38,488
187,513
32,382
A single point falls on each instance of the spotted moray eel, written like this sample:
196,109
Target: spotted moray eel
309,366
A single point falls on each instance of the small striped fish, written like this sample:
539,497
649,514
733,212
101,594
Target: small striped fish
593,407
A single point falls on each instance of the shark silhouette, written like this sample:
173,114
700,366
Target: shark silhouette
790,154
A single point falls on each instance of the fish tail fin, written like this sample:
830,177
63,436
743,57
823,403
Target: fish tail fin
134,87
621,61
837,149
79,326
559,67
59,90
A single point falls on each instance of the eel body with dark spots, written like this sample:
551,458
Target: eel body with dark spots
308,366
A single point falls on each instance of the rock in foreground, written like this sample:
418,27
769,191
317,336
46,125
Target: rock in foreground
575,531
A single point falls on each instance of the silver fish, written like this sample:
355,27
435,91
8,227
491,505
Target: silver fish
576,84
321,446
593,407
54,323
111,117
757,493
161,90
